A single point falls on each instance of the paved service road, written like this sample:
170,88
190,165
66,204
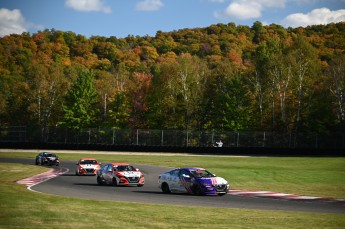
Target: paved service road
71,185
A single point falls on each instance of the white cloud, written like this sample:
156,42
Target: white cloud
315,17
11,21
272,3
88,5
149,5
249,9
244,11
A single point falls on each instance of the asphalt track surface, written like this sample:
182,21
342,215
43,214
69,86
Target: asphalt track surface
86,187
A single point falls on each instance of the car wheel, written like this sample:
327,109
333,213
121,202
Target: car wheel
196,190
36,162
165,188
226,192
99,180
114,182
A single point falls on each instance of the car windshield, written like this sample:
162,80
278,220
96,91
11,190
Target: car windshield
50,155
88,162
123,168
202,173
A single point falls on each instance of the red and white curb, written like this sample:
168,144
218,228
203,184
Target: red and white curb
34,180
285,196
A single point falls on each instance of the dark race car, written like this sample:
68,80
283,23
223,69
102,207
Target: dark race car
47,158
196,181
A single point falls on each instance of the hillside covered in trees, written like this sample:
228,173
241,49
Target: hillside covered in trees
222,77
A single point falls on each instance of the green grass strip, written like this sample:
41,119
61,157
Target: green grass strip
21,208
320,177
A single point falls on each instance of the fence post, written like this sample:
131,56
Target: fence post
316,145
162,138
137,137
238,139
65,135
187,142
263,144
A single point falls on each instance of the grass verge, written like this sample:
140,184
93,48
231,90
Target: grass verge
321,177
21,208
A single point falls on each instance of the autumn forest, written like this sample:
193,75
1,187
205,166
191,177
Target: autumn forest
222,77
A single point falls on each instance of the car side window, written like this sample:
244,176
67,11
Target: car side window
185,173
174,172
131,168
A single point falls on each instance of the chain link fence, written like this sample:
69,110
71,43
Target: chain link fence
151,137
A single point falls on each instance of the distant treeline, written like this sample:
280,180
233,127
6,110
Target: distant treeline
223,77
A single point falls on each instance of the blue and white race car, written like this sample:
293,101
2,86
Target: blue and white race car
196,181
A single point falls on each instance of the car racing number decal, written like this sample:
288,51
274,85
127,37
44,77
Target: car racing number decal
130,174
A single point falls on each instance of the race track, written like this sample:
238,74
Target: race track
71,185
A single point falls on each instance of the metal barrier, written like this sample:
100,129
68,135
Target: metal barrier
183,138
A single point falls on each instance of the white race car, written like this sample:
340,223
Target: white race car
120,174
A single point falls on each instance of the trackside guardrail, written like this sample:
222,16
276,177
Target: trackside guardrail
169,138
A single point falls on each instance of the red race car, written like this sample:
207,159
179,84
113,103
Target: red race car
120,174
87,166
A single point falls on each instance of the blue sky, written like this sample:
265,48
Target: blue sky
121,18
